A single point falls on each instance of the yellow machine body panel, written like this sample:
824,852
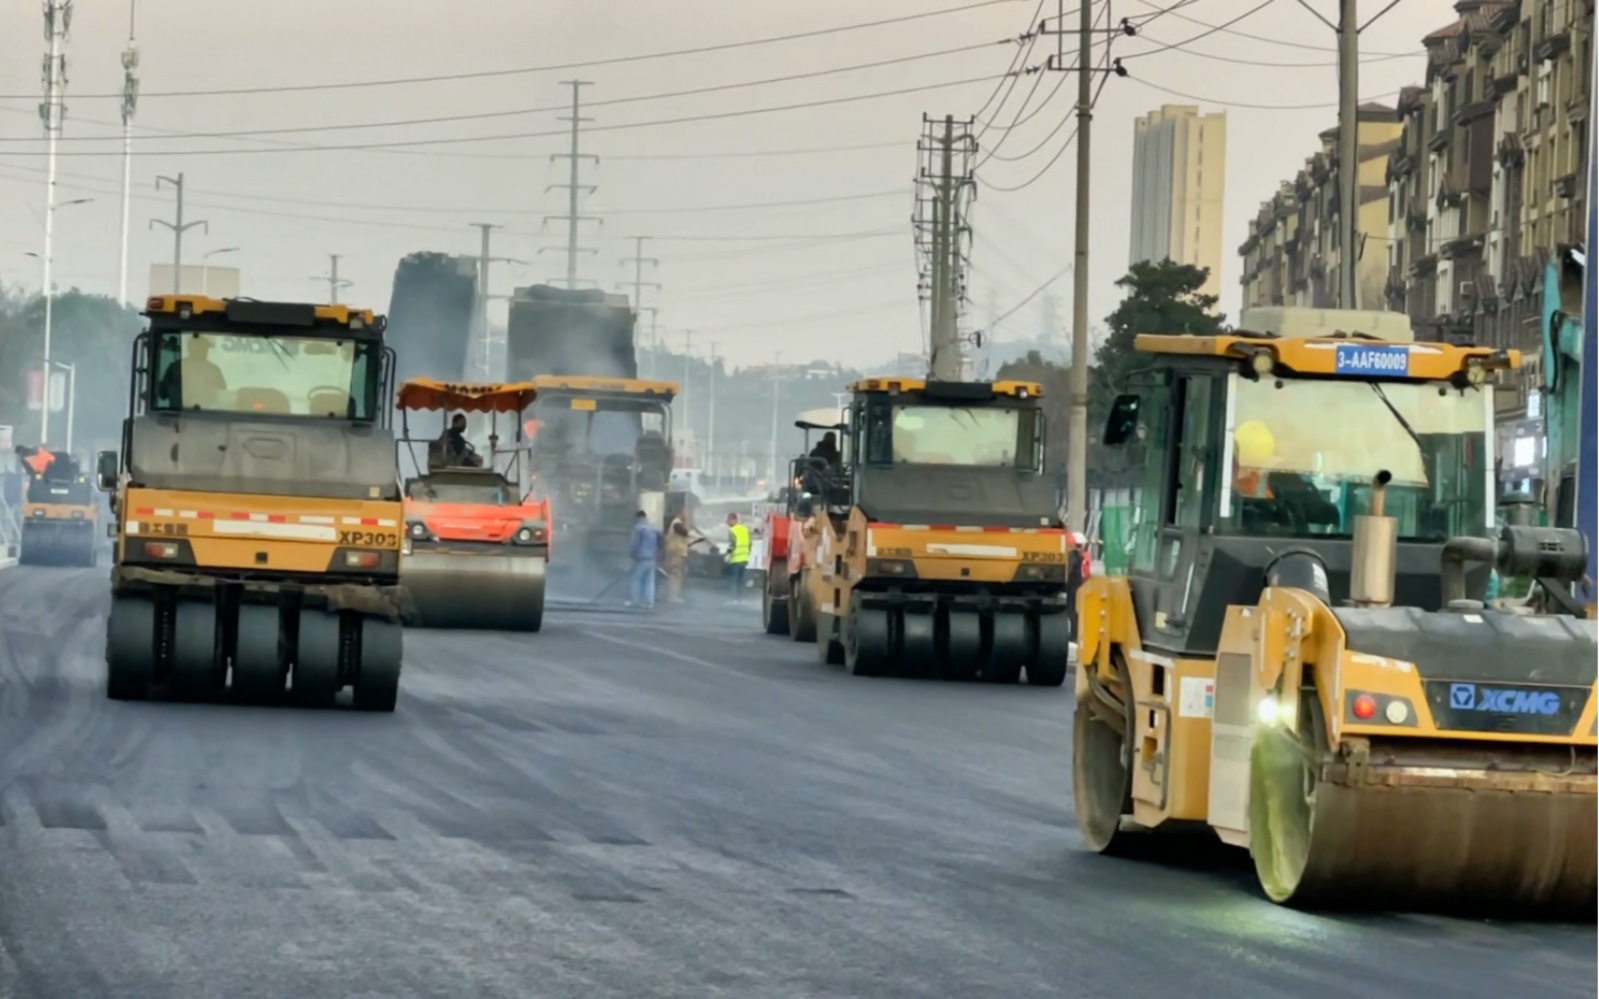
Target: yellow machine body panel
1320,355
260,534
584,385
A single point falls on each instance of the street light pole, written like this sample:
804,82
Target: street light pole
205,268
49,307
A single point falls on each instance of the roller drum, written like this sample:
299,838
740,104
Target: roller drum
1500,842
488,592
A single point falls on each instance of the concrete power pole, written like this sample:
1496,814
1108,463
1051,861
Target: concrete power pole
130,101
710,417
572,187
944,189
178,228
638,284
335,283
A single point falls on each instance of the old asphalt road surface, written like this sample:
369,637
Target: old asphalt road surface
619,807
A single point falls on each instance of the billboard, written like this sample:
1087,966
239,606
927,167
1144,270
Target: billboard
197,279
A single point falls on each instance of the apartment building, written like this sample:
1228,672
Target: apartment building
1294,250
1488,185
1179,178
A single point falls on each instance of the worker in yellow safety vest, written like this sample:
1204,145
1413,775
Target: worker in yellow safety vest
738,553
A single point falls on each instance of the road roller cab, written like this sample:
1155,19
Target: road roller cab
938,547
791,531
60,511
600,452
258,506
1299,659
476,544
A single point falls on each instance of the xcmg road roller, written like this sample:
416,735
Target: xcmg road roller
1299,659
935,545
475,545
258,506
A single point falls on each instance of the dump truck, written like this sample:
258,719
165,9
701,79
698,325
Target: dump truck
60,513
431,317
600,453
258,507
476,545
569,331
938,546
1298,660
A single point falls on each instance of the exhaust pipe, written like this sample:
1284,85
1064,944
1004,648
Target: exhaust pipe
1371,577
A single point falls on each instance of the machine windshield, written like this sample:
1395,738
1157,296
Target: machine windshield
489,492
280,375
595,426
1305,452
941,435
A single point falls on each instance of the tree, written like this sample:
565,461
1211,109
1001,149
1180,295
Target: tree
1160,297
95,333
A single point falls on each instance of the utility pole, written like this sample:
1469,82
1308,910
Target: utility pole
945,187
335,283
638,284
710,415
688,371
1348,30
178,228
480,298
572,187
777,361
130,101
1077,380
53,112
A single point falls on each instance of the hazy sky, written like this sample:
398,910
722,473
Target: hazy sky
754,280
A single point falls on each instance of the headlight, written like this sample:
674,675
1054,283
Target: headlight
417,530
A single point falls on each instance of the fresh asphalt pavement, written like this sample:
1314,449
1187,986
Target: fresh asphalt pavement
624,805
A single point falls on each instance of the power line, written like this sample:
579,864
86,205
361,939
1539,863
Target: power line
1253,107
554,67
495,210
173,136
683,120
1245,34
1236,61
1225,25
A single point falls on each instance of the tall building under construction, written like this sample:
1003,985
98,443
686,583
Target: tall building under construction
1179,174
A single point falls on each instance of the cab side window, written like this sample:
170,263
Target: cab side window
1155,419
1193,482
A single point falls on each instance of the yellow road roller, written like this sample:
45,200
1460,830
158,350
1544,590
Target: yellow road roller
475,546
1299,659
937,548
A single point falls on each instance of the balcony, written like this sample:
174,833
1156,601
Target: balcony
1438,141
1468,113
1423,267
1550,46
1565,187
1460,247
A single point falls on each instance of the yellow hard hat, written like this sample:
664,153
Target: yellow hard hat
1255,444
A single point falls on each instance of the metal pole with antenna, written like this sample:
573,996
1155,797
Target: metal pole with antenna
57,22
130,101
178,228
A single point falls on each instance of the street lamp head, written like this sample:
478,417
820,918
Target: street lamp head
75,201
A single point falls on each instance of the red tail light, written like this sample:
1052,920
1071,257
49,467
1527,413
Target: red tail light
362,560
160,549
1365,707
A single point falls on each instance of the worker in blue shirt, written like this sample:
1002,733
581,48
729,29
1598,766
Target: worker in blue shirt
646,554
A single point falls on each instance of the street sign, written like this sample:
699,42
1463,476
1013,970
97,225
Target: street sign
7,439
58,391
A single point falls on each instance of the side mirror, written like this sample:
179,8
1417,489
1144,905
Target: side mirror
108,468
1123,420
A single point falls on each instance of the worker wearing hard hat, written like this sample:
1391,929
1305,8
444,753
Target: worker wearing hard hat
1254,447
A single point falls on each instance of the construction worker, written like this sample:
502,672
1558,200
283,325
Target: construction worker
1254,447
678,540
646,555
738,553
